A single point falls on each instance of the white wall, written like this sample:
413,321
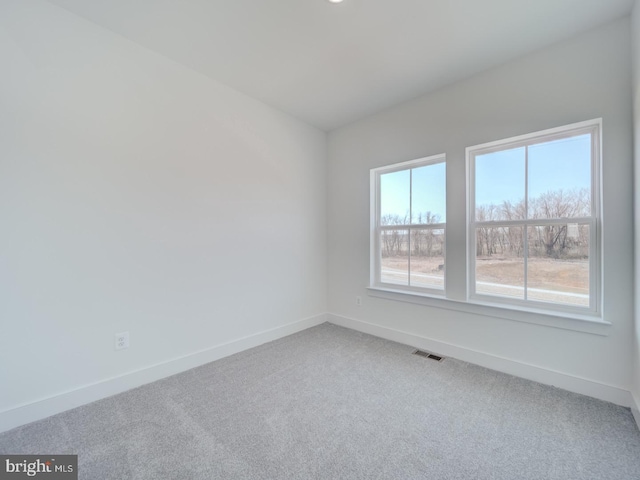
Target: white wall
635,30
584,78
137,195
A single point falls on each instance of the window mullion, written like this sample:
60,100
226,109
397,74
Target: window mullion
525,229
409,229
594,261
421,226
378,246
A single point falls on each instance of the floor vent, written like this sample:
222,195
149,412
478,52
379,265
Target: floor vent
421,353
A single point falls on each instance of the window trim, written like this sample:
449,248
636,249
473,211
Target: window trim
564,321
375,247
592,127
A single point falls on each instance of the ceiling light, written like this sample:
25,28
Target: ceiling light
335,1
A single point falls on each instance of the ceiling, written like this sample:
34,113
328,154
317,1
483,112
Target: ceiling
330,64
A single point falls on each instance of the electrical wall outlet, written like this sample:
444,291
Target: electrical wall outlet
122,340
359,301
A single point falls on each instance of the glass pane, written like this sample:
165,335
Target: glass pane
427,258
560,178
500,261
558,264
395,198
428,190
394,264
500,185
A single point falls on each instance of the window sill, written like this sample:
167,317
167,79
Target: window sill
564,320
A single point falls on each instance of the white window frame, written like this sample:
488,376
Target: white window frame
592,127
376,229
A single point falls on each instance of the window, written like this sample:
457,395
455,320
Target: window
408,208
534,213
533,248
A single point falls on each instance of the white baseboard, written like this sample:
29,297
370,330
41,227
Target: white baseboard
45,407
571,383
635,409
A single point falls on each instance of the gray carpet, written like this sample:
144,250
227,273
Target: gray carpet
331,403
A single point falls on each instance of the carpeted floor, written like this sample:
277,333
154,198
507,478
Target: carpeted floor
331,403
